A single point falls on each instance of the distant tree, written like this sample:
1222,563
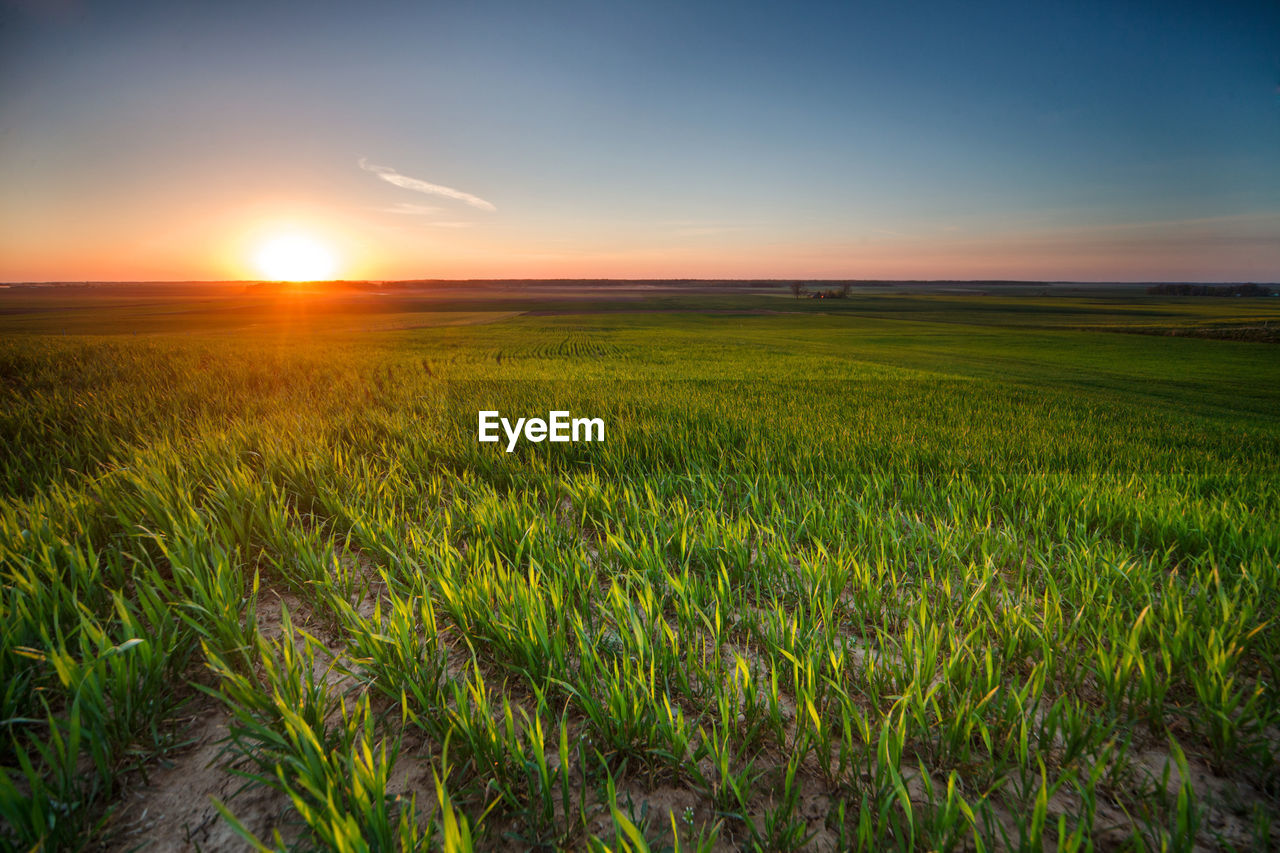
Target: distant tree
844,290
1248,289
797,288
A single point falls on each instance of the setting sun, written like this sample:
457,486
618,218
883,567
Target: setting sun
295,257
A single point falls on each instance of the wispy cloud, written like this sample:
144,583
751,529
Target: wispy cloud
393,177
451,224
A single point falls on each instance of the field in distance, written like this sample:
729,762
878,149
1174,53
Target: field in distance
928,566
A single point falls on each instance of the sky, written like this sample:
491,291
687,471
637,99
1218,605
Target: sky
1114,141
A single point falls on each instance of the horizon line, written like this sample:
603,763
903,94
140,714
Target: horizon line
784,280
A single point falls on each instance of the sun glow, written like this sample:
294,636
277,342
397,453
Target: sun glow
295,257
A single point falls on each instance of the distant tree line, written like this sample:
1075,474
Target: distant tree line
1210,290
841,291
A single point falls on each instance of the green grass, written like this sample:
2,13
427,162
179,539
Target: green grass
893,574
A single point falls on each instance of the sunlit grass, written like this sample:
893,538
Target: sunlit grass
914,594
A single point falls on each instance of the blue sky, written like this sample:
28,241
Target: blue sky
1015,140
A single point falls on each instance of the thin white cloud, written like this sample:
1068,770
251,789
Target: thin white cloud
451,224
393,177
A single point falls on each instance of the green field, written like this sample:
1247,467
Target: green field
909,570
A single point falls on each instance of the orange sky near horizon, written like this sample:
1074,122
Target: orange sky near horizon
222,245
